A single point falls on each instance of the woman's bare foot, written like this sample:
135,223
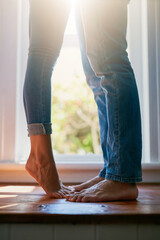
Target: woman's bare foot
87,184
41,166
104,191
45,173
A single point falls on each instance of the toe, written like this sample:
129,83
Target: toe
79,198
85,199
69,196
55,195
73,199
61,193
66,192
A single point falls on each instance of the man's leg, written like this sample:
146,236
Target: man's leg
105,24
47,23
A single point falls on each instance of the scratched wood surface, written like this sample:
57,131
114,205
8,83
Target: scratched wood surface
29,204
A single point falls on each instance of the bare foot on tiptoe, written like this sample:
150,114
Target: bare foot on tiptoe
44,171
104,191
88,184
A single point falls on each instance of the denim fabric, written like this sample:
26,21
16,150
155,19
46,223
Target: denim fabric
101,27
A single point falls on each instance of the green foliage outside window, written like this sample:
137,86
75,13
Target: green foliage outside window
74,119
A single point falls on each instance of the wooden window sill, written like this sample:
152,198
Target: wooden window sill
29,204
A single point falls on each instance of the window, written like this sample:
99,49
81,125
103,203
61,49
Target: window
143,38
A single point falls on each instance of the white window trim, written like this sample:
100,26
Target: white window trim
153,12
70,173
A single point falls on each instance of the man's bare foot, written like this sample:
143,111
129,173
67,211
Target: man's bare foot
104,191
44,171
87,184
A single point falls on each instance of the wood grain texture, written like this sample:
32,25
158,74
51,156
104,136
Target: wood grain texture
29,204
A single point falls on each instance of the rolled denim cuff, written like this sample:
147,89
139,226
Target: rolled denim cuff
39,129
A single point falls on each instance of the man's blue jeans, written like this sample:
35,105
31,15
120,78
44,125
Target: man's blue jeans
101,26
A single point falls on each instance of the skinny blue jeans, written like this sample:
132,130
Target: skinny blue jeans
101,27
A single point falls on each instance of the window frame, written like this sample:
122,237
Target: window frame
153,13
80,171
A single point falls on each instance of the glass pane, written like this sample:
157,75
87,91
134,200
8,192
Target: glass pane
74,112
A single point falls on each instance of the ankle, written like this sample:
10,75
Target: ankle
40,159
122,183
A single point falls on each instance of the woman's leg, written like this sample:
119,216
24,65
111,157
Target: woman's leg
105,24
47,24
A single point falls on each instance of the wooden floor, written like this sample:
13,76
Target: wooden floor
29,204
